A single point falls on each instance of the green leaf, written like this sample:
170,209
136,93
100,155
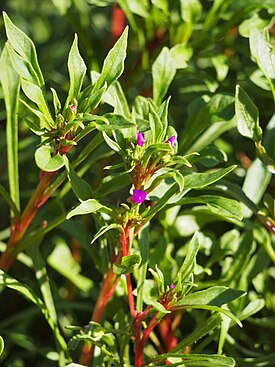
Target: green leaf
181,54
24,46
62,260
81,188
87,207
163,71
42,279
10,86
113,65
45,161
203,360
77,70
200,180
247,116
127,265
159,307
143,242
179,178
35,94
222,206
2,345
107,228
56,102
191,11
213,296
264,54
189,263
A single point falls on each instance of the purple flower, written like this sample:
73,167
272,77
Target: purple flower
138,196
140,139
73,108
172,286
171,140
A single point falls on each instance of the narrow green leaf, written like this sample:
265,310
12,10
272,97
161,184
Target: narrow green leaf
247,116
213,296
35,94
203,360
113,65
159,307
43,279
2,345
81,188
105,229
189,263
87,207
179,178
24,46
143,243
163,72
200,180
56,102
127,265
10,85
77,70
45,161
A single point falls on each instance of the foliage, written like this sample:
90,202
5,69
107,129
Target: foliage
137,208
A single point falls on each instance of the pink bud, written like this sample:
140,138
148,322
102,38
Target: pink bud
140,139
138,196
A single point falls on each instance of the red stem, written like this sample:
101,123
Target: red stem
146,333
107,290
20,226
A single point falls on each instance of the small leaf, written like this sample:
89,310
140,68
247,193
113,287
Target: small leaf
163,71
88,207
127,265
179,178
107,228
56,102
247,116
77,70
81,188
181,54
191,11
159,307
189,263
45,161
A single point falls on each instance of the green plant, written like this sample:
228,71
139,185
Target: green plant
137,247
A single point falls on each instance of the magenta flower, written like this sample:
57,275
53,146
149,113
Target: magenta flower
140,139
171,140
138,196
172,286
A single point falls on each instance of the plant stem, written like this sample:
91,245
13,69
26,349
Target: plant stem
107,289
20,225
141,343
